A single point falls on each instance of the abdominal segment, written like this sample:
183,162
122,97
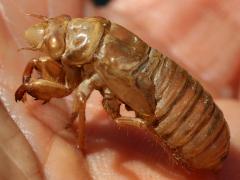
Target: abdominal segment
187,119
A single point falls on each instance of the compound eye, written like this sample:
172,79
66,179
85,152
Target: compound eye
35,34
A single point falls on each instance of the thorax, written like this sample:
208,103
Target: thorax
82,39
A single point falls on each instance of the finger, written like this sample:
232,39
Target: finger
18,161
73,8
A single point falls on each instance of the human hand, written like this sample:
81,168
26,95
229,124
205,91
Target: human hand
197,35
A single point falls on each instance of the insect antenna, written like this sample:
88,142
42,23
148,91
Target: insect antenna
45,18
32,48
27,48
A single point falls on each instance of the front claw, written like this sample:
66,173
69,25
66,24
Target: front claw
20,93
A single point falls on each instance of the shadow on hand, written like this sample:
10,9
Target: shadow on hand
132,144
231,167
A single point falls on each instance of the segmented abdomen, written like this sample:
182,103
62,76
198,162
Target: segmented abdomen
188,120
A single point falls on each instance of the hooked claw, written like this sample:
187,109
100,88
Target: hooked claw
20,93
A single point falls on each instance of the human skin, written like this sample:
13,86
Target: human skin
34,141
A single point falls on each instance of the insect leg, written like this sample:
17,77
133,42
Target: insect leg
28,70
111,104
78,118
131,121
48,68
32,64
42,89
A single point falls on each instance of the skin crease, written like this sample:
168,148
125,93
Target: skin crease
112,152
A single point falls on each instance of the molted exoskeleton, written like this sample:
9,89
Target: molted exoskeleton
84,54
